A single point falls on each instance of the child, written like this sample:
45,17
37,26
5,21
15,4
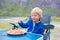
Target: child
34,24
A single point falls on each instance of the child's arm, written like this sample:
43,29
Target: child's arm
22,24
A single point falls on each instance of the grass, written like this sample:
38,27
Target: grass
5,25
55,19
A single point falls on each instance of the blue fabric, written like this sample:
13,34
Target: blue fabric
27,36
39,27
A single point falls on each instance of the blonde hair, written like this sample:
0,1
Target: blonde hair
37,10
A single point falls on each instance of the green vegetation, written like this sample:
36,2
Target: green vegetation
5,25
55,19
13,8
13,11
16,10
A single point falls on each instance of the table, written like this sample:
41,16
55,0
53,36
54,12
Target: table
27,36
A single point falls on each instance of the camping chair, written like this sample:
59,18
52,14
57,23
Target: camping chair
47,26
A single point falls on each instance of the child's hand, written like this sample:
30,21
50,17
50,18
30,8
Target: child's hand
18,21
25,19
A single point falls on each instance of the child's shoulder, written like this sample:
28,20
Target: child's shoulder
41,23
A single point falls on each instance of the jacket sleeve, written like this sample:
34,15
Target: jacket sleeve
24,25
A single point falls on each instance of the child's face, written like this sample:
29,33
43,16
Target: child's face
35,17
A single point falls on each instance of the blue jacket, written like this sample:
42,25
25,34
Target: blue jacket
39,27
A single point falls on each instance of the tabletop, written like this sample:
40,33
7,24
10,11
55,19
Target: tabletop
26,36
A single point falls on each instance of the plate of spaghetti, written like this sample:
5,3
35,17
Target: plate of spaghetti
16,32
